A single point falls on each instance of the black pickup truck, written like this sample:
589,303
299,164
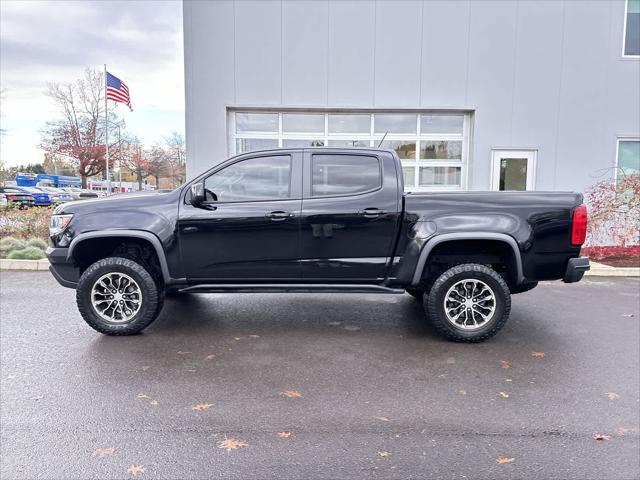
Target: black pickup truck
316,220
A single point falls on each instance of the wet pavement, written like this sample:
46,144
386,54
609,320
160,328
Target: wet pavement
320,386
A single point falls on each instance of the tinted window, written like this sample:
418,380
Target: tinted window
262,178
632,29
344,174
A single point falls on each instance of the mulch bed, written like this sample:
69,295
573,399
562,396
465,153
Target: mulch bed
620,261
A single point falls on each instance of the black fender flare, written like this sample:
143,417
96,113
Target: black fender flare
445,237
150,237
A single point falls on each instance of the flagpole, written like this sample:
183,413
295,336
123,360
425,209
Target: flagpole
106,131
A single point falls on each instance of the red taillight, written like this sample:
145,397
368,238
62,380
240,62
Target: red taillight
579,225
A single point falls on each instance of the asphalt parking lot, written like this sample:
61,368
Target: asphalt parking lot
320,386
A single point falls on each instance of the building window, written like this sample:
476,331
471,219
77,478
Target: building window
433,146
631,42
628,157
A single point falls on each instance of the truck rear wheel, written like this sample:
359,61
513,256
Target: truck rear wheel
118,296
469,303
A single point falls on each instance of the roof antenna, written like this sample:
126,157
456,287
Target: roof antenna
385,136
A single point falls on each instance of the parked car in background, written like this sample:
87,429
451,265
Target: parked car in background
40,198
80,193
17,197
57,194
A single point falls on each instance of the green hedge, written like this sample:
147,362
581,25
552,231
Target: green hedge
27,253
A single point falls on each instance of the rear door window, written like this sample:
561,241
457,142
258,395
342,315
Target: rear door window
344,174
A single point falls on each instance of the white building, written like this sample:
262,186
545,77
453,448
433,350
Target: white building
472,94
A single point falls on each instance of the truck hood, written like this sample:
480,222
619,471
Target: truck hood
121,201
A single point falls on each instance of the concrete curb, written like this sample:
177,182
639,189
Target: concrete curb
601,270
597,269
7,264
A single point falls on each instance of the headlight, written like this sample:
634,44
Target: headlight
58,223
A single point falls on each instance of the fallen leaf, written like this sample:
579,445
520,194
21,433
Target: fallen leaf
135,470
254,336
504,364
211,356
291,394
504,394
612,395
284,434
236,338
231,444
537,354
384,454
142,395
629,315
103,452
183,353
384,419
201,406
601,437
443,375
153,402
504,460
508,380
462,392
351,328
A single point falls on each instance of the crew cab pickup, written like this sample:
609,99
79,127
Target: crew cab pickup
316,220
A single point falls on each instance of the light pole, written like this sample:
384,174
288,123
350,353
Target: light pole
119,160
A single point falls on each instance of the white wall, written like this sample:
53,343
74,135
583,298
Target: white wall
546,75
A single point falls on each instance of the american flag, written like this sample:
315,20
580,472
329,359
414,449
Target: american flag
117,90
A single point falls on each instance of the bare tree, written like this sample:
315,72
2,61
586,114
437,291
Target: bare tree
157,163
7,173
79,132
175,159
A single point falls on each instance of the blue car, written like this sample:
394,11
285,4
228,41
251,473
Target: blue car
41,198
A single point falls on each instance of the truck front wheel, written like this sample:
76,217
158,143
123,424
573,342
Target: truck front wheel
469,303
118,296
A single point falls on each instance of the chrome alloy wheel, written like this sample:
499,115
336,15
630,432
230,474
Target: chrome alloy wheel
470,304
116,297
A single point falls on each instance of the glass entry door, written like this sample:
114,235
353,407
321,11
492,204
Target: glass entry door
513,169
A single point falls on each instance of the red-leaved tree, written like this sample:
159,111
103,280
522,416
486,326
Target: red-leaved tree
614,212
79,131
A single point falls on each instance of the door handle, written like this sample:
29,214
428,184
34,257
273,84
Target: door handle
279,216
372,212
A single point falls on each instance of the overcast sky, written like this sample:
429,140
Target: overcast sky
41,42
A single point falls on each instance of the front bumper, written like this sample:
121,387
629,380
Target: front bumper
575,269
62,268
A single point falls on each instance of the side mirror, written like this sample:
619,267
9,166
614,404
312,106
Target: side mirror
197,194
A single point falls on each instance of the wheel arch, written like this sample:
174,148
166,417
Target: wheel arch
457,236
124,234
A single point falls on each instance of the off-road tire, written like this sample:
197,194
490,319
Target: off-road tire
152,298
434,306
416,293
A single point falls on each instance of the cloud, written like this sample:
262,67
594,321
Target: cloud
42,42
